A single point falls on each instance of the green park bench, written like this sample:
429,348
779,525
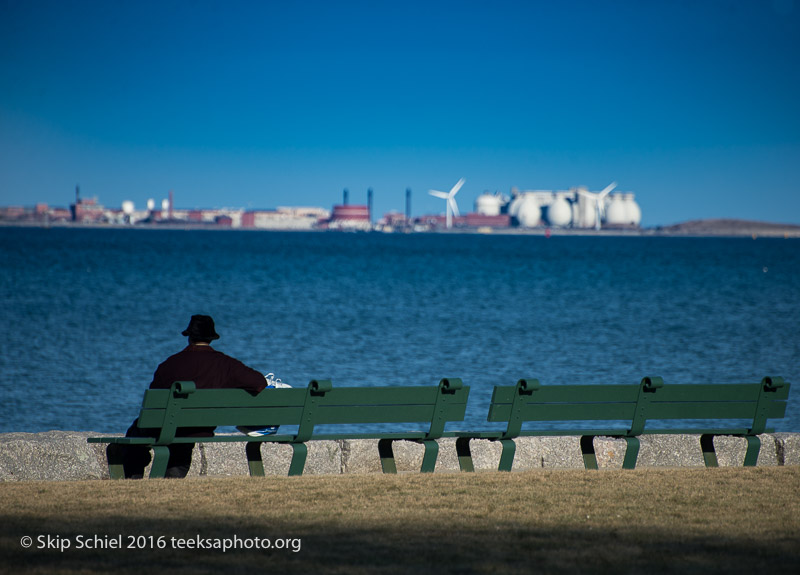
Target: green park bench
166,410
573,405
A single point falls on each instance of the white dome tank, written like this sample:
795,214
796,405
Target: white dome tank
633,214
513,207
559,213
127,207
528,212
488,205
616,211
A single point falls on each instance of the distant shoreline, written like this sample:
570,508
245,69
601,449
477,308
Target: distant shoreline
693,228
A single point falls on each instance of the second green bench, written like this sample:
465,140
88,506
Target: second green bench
575,406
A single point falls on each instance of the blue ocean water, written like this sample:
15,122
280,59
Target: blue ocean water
89,313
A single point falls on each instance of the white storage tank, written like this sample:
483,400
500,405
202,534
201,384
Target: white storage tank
513,207
528,212
616,212
633,214
623,211
489,204
559,213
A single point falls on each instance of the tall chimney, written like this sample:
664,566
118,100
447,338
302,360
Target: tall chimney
170,204
76,209
346,196
408,207
369,204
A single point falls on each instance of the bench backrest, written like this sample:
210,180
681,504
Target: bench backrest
651,399
320,403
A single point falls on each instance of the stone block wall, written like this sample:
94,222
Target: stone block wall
65,455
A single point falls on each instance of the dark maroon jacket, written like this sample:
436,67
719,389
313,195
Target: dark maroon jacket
208,369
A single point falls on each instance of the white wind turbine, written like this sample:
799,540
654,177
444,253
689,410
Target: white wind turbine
452,207
599,204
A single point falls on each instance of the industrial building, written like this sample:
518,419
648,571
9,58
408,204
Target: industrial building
576,208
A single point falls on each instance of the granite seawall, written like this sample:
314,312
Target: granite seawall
65,455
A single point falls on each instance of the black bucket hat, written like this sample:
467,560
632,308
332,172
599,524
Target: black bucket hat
201,328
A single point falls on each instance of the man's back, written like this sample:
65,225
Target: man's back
208,369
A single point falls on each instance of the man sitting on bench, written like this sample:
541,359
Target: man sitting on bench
208,369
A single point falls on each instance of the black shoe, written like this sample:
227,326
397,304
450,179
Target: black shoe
177,472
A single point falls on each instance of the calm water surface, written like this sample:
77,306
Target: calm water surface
89,314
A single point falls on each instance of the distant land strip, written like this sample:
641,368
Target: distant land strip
727,227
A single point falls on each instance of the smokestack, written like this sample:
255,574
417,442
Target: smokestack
408,207
369,204
77,206
346,196
170,204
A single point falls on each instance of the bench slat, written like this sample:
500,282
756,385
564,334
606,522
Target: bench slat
543,411
717,392
223,416
565,412
710,410
399,395
325,415
158,398
571,393
360,414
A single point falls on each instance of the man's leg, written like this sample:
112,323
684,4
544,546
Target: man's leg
180,460
134,457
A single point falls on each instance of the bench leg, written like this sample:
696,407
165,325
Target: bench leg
114,455
160,461
254,461
507,455
299,454
431,453
587,449
464,454
631,453
709,455
753,447
387,456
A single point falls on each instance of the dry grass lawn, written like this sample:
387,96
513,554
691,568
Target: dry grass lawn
728,520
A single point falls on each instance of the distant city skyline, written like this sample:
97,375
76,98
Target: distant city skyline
689,105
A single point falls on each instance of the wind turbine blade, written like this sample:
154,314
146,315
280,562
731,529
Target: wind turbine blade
438,194
454,189
607,189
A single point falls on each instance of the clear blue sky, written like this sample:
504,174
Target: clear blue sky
692,105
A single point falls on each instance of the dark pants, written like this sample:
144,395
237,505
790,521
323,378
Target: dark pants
136,457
